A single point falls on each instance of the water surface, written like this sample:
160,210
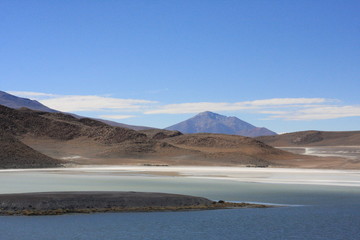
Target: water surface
316,211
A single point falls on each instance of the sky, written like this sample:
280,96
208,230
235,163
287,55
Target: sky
285,65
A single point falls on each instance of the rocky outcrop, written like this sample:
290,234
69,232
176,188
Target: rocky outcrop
50,203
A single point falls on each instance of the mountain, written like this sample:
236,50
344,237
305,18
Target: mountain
313,138
31,135
209,122
15,102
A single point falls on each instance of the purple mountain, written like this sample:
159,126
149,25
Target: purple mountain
209,122
15,102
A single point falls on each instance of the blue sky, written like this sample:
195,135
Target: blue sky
286,65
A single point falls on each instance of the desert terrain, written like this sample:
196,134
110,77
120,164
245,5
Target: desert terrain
51,139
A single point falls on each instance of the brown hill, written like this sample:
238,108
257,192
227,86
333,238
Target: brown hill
313,138
15,154
84,140
221,149
61,126
58,134
87,141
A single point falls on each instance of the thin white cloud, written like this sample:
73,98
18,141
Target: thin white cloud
286,101
292,109
31,94
93,103
273,112
237,106
116,116
78,103
196,108
321,113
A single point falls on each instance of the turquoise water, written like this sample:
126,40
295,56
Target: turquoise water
316,212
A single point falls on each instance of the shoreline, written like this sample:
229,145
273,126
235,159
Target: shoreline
74,167
347,178
58,203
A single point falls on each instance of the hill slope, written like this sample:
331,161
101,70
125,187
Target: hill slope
208,122
88,141
233,149
313,138
15,154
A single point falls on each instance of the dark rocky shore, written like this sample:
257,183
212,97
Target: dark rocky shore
54,203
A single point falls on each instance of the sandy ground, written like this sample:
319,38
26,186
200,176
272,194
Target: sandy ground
258,175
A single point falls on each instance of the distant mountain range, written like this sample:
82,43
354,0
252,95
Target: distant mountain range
206,122
209,122
31,138
15,102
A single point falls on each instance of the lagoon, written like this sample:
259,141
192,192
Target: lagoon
315,206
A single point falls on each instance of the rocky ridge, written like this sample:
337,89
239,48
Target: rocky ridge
54,203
